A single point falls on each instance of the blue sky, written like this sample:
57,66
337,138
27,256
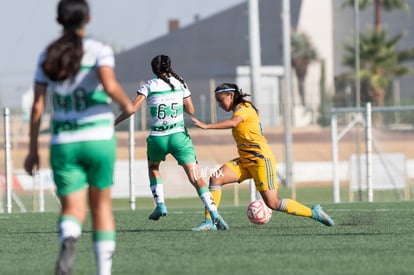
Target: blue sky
27,26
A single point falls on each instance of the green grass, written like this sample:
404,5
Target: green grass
369,238
304,194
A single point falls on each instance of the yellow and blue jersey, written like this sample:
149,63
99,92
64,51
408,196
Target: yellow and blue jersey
252,145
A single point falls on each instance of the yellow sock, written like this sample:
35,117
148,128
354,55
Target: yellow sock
294,208
215,191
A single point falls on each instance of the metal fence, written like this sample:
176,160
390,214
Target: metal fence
375,143
333,157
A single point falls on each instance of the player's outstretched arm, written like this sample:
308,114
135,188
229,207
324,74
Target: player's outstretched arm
225,124
136,103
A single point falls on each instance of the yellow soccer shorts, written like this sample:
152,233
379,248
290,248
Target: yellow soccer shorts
263,172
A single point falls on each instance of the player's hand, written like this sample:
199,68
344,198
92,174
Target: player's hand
31,162
128,108
198,123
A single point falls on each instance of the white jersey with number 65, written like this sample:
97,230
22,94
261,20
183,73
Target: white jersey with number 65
166,105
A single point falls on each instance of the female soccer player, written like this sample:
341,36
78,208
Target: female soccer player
255,160
79,74
167,96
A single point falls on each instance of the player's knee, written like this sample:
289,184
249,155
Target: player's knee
272,202
152,166
213,185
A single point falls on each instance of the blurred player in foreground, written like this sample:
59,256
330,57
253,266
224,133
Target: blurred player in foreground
79,73
255,160
168,97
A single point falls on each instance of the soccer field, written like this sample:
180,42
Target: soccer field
369,238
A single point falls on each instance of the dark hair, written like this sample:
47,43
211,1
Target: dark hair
238,94
161,67
64,55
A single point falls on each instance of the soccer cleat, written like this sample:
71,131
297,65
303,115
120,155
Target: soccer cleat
160,211
66,257
218,221
320,215
206,225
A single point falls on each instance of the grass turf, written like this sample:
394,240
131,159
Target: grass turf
369,238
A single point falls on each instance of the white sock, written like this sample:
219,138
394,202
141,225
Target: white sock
158,193
104,251
208,201
69,227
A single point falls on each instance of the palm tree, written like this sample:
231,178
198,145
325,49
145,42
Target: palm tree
380,62
379,59
303,53
379,5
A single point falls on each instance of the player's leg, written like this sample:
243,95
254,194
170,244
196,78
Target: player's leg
227,173
157,190
182,149
70,181
157,149
288,206
99,164
70,228
222,176
264,175
265,179
193,174
293,207
104,233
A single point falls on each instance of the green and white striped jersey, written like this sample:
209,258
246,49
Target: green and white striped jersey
166,105
81,108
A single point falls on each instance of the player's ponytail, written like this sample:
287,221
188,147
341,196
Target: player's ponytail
161,67
63,56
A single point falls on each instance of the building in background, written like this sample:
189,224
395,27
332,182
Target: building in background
216,50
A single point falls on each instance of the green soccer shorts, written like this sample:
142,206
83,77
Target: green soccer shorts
179,145
79,164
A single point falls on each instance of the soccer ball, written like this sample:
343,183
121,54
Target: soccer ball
258,212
